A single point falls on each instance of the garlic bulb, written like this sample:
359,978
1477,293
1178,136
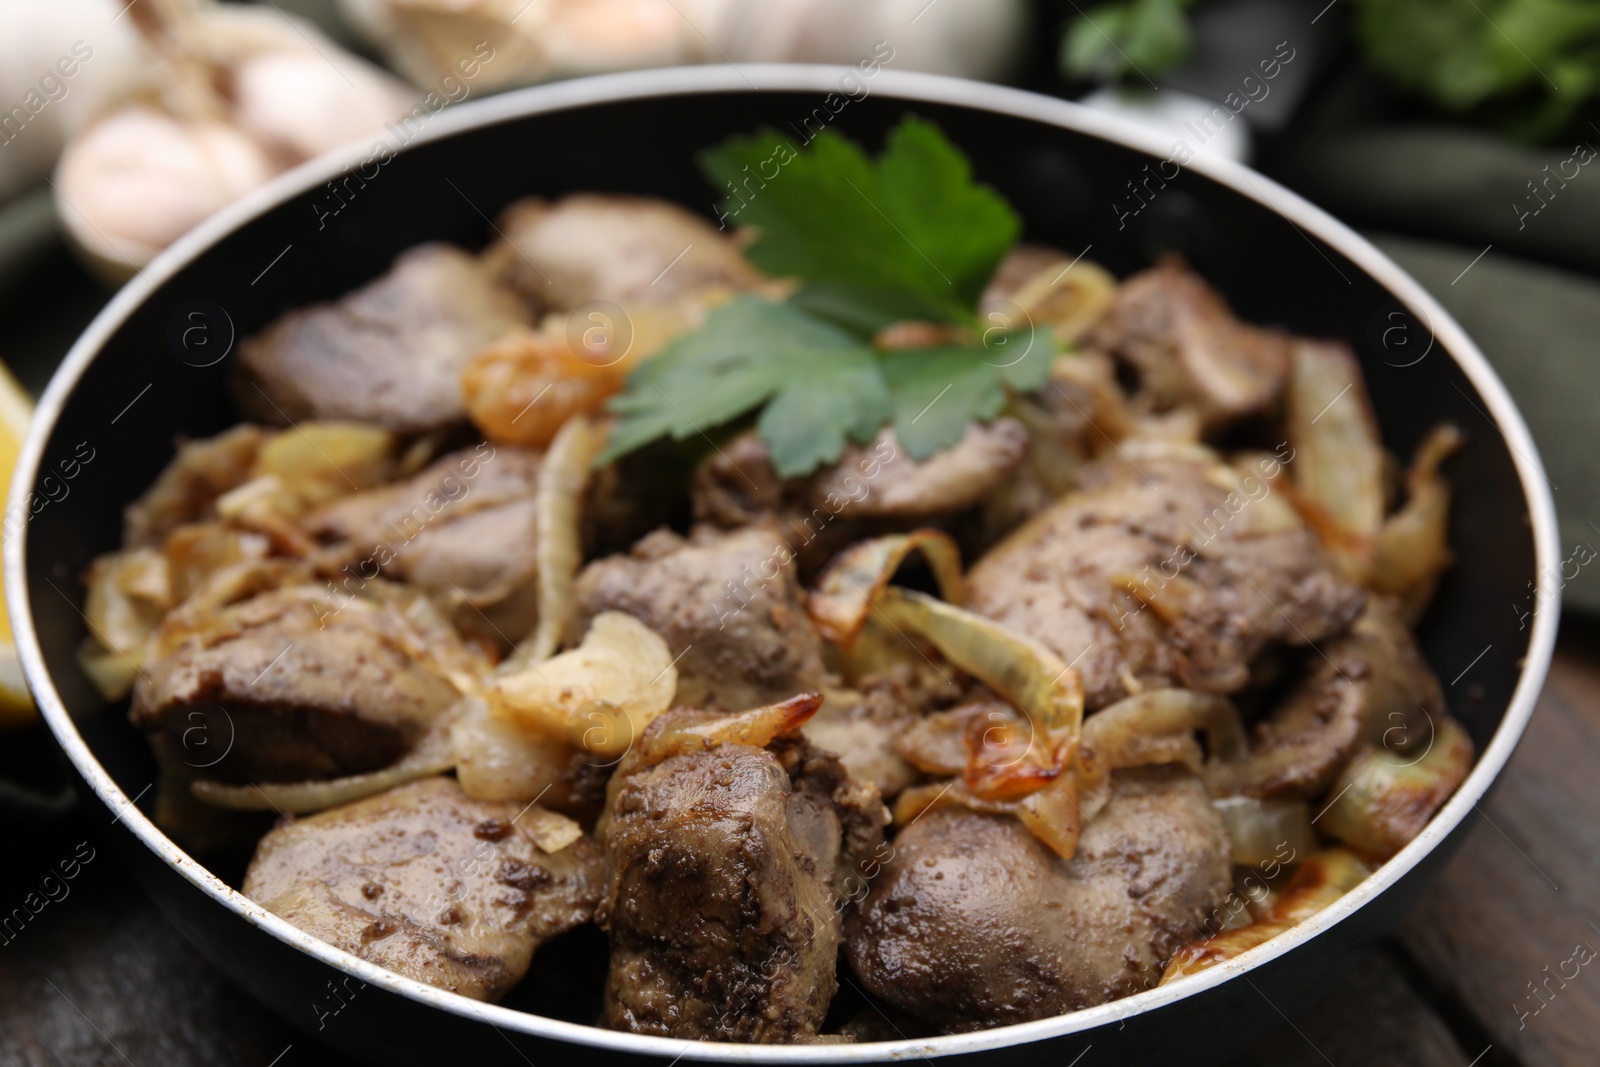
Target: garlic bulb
529,40
139,179
965,38
300,105
425,39
591,36
61,63
287,85
537,40
229,97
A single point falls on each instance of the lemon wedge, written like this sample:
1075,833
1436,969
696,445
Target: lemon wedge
16,409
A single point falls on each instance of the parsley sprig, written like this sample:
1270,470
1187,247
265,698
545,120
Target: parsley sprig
908,236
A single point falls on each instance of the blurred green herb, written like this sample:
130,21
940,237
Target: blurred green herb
1134,38
1526,66
910,235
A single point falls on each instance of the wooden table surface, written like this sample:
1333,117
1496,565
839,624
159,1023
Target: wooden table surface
1484,973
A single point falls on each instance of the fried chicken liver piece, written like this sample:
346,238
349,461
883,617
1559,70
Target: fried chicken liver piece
427,882
729,869
1168,567
296,683
976,923
389,353
727,603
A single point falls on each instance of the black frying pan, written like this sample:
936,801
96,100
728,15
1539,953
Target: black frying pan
137,380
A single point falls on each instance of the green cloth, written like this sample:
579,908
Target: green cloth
1459,185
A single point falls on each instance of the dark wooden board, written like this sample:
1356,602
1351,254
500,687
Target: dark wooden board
1374,1019
1498,928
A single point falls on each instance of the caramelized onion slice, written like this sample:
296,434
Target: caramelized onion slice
1382,800
550,830
1006,756
857,577
128,593
1412,549
1262,829
1023,672
301,468
197,550
1157,727
317,461
1020,670
1069,296
496,759
995,749
563,478
111,673
1051,814
879,648
1196,956
622,670
936,743
1338,465
434,753
694,732
912,803
1319,882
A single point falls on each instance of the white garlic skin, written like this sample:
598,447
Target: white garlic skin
139,179
136,179
537,40
595,36
299,104
965,38
36,36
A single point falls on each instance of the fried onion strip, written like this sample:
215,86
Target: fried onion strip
694,733
1022,671
563,478
1338,466
1013,767
1260,829
1051,814
1413,548
599,696
857,577
1157,727
1382,800
1319,882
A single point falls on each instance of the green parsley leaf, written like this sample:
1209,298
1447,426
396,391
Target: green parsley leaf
1022,358
843,395
824,385
911,235
938,391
